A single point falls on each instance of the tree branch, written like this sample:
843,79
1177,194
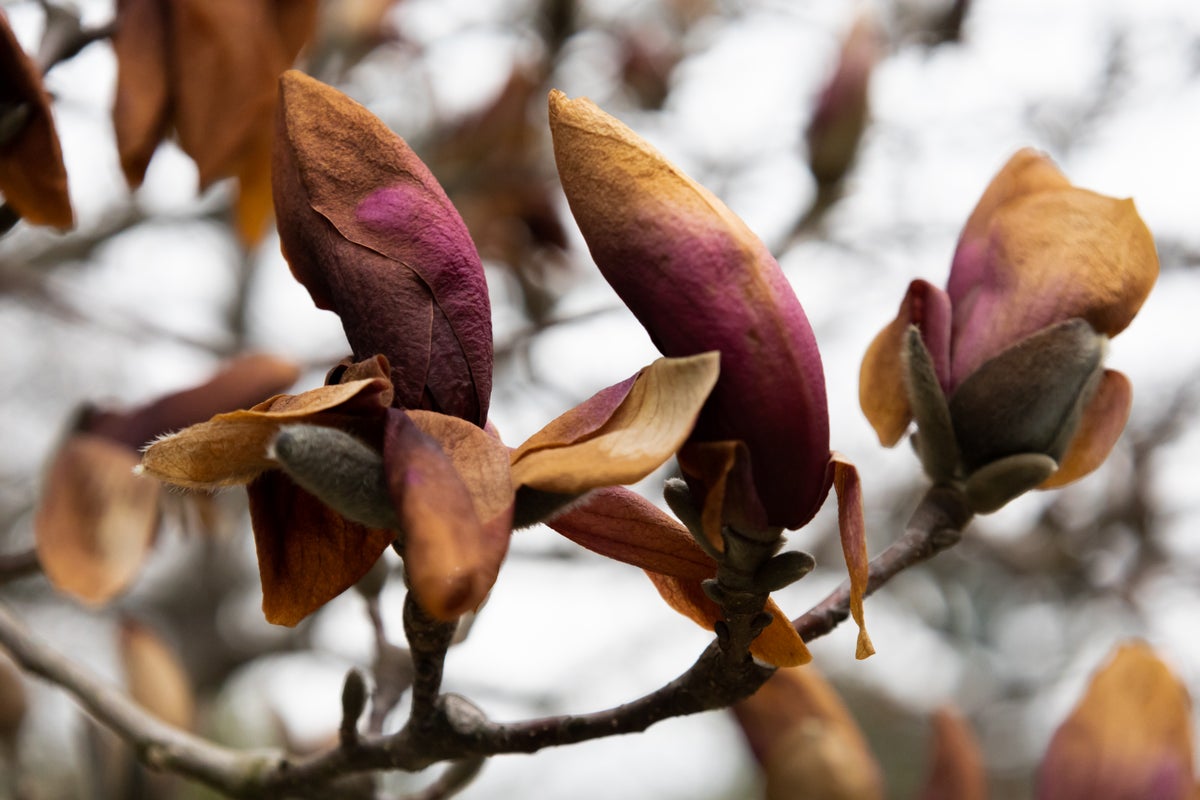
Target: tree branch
448,727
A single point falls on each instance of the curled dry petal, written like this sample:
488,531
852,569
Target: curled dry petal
806,740
370,233
698,279
1130,736
33,179
854,544
623,525
231,448
956,769
621,434
95,520
449,480
155,677
1037,251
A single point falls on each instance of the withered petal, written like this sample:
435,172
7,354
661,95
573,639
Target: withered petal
141,108
1103,420
307,553
612,439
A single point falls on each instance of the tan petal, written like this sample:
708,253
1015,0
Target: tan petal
95,520
33,179
480,461
155,677
1130,736
574,453
1103,420
956,769
806,740
231,448
307,553
723,470
621,524
140,109
854,544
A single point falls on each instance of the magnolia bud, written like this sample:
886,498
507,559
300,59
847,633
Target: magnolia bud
339,469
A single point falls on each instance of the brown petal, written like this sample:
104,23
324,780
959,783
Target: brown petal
723,471
95,520
33,179
307,553
480,460
956,769
155,677
622,525
597,444
1103,420
806,740
854,544
142,103
231,448
226,58
240,383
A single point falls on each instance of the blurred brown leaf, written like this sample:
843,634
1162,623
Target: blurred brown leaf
155,677
956,769
96,519
33,178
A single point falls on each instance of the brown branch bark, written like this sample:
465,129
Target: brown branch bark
448,727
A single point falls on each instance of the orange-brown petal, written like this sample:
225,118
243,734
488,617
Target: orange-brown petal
806,741
854,544
95,520
33,178
231,448
1130,735
605,443
1101,425
956,769
480,460
307,553
882,388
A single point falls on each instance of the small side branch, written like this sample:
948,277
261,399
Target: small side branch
936,525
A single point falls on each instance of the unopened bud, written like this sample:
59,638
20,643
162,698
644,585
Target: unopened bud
992,486
339,469
354,700
783,570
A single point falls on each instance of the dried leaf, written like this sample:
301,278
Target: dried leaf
956,769
142,104
806,740
854,544
95,520
584,449
307,553
231,448
155,677
33,179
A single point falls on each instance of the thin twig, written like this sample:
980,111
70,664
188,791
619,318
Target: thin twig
457,777
19,565
937,524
